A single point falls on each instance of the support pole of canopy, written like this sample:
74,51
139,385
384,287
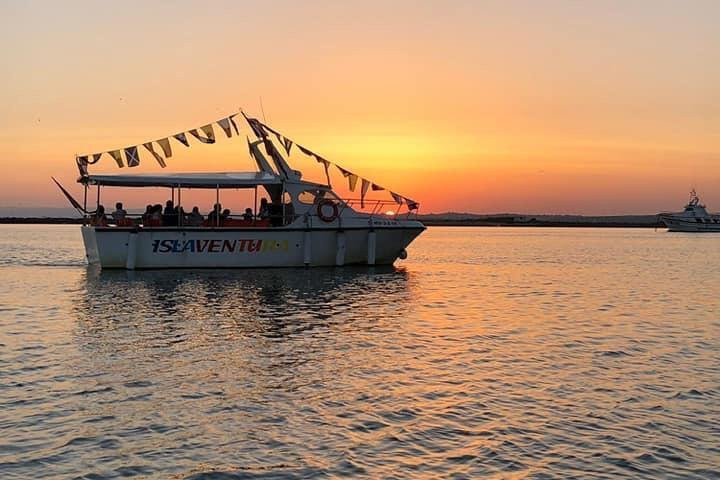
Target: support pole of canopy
179,209
85,199
255,207
98,197
372,244
216,206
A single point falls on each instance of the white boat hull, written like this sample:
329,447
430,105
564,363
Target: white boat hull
151,248
677,224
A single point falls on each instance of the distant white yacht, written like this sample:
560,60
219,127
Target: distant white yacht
695,218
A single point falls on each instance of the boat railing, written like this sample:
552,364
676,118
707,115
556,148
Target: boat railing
137,220
375,207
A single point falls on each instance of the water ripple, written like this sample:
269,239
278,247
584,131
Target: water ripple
490,353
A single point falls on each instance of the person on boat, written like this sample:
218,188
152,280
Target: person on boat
195,218
148,214
248,215
99,219
169,215
119,214
157,212
264,209
214,214
224,216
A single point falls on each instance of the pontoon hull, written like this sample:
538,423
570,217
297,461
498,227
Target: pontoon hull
138,248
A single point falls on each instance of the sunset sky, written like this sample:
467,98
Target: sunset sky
511,106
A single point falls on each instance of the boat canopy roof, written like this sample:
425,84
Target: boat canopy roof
188,180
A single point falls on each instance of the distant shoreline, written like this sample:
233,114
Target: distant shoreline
479,223
428,222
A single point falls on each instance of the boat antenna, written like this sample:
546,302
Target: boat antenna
262,110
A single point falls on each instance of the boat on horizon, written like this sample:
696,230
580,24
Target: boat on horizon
304,224
693,218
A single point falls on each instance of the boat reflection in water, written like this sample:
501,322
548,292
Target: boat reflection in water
259,302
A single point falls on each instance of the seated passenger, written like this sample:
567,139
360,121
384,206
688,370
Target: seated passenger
275,211
195,218
169,215
224,216
119,214
147,215
98,219
214,215
248,215
157,212
264,209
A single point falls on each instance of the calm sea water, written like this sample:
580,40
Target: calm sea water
489,353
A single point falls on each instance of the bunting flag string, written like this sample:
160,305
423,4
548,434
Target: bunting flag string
352,178
157,156
131,156
305,151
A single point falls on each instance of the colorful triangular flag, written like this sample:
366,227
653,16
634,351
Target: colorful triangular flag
82,163
237,132
352,181
132,157
157,156
363,192
165,145
377,187
225,125
305,150
180,137
117,156
210,134
398,199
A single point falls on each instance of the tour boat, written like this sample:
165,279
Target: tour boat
694,218
305,223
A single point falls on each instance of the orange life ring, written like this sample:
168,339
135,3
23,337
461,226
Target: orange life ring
322,216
